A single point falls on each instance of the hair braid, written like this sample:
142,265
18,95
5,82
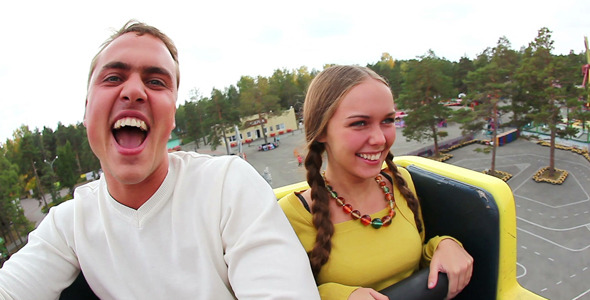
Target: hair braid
402,185
320,209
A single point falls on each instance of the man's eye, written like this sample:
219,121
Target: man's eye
113,79
156,82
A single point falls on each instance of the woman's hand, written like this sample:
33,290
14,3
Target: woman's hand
366,294
450,258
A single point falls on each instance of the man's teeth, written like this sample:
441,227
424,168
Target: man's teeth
130,122
369,156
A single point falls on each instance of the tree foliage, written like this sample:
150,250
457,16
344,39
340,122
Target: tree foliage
543,81
256,99
488,85
65,167
426,84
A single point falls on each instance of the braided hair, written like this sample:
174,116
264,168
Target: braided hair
323,97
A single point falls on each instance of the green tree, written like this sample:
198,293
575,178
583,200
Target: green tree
389,69
12,218
540,77
461,69
283,83
570,78
425,85
49,141
255,99
488,85
222,112
65,167
195,117
76,135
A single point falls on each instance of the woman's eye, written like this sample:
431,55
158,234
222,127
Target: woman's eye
358,124
388,121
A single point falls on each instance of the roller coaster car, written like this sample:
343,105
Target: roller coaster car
475,208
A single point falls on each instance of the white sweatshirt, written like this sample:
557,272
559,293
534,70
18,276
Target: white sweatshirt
213,230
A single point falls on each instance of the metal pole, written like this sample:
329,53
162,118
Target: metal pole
39,184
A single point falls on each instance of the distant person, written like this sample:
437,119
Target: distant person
158,225
299,160
267,176
361,224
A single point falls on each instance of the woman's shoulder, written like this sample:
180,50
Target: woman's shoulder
296,207
295,200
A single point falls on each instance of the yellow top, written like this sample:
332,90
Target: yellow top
362,256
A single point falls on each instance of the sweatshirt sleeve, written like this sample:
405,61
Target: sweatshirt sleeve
264,256
45,265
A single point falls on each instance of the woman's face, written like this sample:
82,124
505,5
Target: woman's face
361,131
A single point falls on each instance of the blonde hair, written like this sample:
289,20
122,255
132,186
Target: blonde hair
323,97
140,29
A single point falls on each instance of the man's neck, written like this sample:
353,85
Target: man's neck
135,195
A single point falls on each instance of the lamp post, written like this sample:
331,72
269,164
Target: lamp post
39,184
51,162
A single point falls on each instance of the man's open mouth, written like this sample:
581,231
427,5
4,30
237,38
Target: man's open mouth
130,132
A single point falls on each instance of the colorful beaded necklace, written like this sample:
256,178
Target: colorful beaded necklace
355,214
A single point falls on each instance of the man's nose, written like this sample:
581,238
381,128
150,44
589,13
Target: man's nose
134,89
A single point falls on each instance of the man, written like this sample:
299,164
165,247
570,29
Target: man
158,225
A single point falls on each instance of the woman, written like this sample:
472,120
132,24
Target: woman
349,114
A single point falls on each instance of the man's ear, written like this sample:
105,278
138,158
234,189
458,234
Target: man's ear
85,108
174,119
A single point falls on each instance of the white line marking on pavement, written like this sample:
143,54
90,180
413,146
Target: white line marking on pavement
554,243
582,294
523,270
587,225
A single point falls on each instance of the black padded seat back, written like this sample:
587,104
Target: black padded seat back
78,290
469,214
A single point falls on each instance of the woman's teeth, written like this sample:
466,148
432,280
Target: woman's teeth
369,156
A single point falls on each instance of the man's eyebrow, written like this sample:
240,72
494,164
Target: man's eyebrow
147,70
157,70
117,65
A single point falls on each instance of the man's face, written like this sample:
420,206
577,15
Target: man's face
130,109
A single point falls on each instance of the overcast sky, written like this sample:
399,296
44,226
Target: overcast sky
47,45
